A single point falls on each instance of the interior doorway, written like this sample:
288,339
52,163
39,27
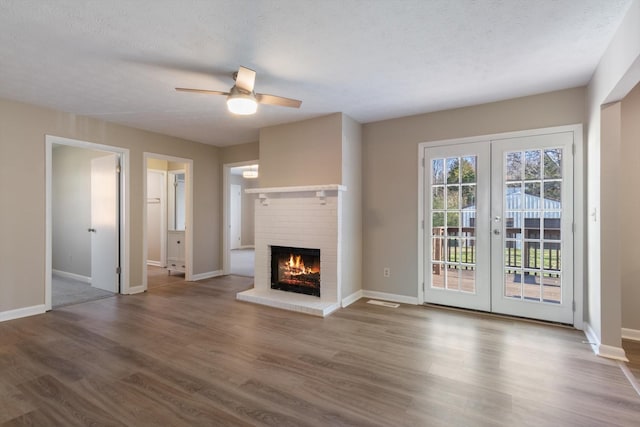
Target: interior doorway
239,207
168,237
86,222
499,225
235,215
156,217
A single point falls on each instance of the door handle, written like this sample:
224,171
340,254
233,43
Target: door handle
91,230
496,231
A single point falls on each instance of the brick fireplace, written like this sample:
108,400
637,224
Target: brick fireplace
298,217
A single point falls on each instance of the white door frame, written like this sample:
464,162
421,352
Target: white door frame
188,232
226,173
579,284
50,140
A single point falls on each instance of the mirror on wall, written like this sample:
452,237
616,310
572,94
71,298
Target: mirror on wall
176,201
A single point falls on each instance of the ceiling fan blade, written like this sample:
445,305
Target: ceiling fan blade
208,92
246,79
264,98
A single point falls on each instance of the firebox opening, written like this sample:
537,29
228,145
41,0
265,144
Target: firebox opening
295,270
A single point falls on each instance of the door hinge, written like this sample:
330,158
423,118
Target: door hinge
118,170
573,149
118,270
573,306
422,225
422,286
573,227
423,162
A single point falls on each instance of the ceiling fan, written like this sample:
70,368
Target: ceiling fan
241,99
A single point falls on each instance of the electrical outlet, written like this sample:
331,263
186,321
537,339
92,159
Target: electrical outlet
386,272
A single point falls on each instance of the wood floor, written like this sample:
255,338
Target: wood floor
188,354
632,350
159,276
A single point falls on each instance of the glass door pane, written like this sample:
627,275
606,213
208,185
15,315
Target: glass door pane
456,195
534,216
498,226
531,180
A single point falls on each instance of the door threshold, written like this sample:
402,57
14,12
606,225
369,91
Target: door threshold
499,316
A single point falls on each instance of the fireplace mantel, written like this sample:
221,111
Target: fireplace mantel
296,189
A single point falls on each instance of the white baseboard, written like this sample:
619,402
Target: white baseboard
592,337
22,312
154,263
403,299
347,301
610,352
631,334
73,276
136,290
207,275
603,350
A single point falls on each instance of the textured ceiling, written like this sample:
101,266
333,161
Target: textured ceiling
119,60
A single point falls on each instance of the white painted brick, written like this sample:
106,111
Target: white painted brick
298,220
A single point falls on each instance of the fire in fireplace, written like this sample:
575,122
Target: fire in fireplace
295,270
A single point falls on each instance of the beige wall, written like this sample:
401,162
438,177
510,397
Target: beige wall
351,206
239,153
629,210
302,153
609,219
324,150
176,166
157,164
617,73
390,174
22,249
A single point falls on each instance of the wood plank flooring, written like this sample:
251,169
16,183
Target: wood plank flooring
189,354
632,349
159,276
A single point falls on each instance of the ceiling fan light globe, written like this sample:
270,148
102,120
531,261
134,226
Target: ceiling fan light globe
242,105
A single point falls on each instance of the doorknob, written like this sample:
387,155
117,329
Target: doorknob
496,231
91,230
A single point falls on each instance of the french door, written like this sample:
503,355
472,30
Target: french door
498,226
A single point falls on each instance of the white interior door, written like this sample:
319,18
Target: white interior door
235,216
498,226
104,223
